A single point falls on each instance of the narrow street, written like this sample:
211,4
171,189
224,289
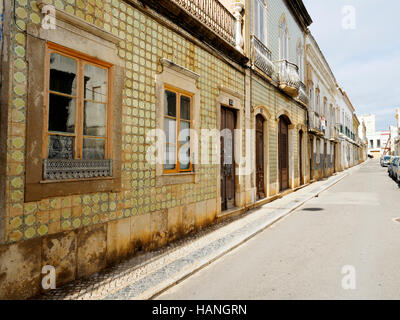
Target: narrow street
302,256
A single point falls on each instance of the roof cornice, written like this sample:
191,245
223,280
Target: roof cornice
300,12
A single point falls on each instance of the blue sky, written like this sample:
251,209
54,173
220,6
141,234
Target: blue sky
365,60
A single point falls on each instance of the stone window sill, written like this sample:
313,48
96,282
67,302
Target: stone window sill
176,178
61,188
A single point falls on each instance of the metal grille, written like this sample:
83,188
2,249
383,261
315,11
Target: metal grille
60,169
303,97
213,14
288,74
261,56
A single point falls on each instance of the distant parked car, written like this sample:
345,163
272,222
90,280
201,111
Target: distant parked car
395,170
370,156
393,163
385,160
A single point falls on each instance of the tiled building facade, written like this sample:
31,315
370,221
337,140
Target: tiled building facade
323,109
82,195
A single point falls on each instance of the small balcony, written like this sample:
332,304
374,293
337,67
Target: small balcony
315,123
207,20
261,57
288,77
303,97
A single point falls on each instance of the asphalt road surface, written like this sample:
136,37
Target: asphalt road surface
343,244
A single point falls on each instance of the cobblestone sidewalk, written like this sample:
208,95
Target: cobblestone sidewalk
145,276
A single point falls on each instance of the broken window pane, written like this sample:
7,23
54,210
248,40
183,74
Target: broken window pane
170,104
62,74
61,114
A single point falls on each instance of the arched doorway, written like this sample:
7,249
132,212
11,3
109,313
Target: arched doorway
260,182
301,174
283,153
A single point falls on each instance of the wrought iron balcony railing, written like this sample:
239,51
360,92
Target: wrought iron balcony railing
303,97
213,14
288,77
261,56
209,21
315,123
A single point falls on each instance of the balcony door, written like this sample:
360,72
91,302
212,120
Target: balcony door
301,157
283,40
260,20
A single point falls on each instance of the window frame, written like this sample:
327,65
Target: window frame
81,61
300,59
311,96
318,101
179,93
262,11
89,41
283,40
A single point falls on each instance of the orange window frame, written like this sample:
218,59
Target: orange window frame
179,93
81,60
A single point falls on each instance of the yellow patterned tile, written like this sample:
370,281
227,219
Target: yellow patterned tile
30,233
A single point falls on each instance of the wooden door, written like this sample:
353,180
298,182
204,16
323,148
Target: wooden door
334,158
301,157
283,154
260,157
228,121
311,156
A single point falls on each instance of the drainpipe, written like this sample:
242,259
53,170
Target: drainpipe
4,107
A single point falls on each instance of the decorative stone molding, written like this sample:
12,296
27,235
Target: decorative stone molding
182,78
303,127
82,24
238,7
182,70
83,37
261,110
229,92
283,112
